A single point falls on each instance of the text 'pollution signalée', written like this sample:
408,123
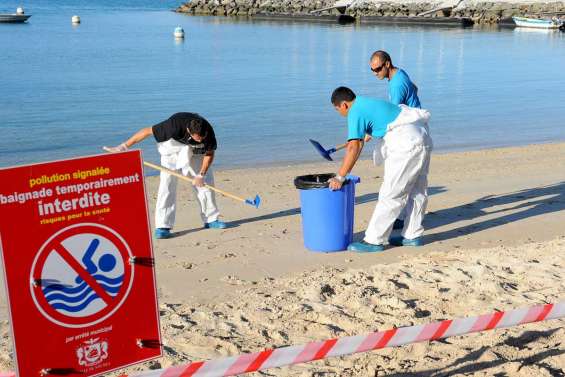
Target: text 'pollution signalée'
78,265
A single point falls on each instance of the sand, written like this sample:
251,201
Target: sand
495,239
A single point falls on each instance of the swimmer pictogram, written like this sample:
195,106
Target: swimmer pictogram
81,275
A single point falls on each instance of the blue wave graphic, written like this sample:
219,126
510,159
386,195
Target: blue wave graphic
69,299
108,280
78,308
104,279
76,289
63,297
64,288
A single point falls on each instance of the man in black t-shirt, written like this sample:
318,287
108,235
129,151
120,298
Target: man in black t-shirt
186,142
176,127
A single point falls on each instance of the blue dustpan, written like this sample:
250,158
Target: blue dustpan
322,151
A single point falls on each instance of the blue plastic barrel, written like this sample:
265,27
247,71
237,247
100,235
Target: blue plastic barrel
327,216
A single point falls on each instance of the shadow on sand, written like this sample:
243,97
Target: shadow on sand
475,366
517,205
362,199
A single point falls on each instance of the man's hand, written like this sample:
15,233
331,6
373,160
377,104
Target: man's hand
120,148
368,138
336,182
198,181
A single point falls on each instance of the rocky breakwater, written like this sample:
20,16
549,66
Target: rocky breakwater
252,7
497,12
479,12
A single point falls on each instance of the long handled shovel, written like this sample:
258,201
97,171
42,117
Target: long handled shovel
252,202
325,153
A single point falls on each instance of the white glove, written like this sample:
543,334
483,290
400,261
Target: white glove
379,152
120,148
199,181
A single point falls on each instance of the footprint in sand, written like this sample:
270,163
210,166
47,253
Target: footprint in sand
228,255
233,280
399,284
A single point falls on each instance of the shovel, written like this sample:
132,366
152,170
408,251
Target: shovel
325,153
252,202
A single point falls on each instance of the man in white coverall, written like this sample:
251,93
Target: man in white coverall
407,148
186,142
401,91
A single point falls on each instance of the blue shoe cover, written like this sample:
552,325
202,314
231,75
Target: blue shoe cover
162,233
365,247
216,225
401,241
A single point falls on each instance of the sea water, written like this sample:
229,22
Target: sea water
265,86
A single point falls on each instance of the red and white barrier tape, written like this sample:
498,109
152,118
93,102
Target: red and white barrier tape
246,363
355,344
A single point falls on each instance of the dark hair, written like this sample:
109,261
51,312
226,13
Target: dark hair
382,55
342,94
196,126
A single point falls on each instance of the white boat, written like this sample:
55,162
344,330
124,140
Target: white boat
17,17
13,18
538,23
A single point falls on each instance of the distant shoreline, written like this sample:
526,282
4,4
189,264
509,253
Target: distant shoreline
338,157
478,12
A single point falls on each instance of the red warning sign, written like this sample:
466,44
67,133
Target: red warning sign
77,254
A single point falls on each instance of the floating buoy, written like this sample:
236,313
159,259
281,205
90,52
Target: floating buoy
179,32
20,10
75,19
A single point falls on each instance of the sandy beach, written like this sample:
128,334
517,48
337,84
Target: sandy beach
495,239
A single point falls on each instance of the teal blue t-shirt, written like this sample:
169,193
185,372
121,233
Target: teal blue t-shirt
370,116
402,91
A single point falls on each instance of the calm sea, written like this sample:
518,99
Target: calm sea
65,91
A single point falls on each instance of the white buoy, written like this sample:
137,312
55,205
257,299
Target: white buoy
20,10
179,32
75,19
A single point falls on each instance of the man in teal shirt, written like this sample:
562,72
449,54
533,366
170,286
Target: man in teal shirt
401,90
407,148
369,116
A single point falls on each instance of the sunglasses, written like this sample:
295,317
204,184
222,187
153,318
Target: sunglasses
379,68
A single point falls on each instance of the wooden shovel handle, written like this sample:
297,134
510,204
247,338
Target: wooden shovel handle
178,175
340,147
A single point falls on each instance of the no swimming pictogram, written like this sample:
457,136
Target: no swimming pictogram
81,275
82,293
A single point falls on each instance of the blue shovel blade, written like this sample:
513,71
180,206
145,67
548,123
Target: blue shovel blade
321,150
255,202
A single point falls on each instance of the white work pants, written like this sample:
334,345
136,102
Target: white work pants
406,151
178,156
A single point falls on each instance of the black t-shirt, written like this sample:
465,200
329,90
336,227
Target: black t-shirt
176,127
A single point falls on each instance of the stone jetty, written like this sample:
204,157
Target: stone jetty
479,12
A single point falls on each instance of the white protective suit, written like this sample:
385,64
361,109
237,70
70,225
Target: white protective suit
178,156
405,150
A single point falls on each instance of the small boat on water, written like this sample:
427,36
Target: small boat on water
14,18
538,23
17,17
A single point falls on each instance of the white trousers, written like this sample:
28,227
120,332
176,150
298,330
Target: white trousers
406,151
178,156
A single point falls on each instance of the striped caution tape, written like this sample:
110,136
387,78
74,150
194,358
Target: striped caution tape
279,357
273,358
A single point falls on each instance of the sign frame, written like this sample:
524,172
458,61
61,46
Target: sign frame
99,340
